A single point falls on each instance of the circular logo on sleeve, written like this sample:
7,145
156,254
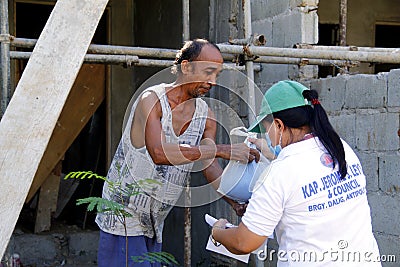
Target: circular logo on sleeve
326,160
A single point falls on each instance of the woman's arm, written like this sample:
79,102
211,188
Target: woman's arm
238,240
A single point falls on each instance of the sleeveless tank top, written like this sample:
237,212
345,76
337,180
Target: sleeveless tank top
148,191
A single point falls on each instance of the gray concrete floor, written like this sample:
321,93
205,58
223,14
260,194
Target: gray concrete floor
64,246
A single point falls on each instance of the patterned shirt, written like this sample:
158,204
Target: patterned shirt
148,203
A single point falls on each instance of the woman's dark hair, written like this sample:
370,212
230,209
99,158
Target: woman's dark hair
316,117
190,51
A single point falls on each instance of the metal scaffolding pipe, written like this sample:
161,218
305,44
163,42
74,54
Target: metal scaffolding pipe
343,27
125,59
89,58
362,56
343,23
185,20
4,58
306,61
248,34
187,237
128,60
155,63
109,49
347,48
249,63
345,53
255,40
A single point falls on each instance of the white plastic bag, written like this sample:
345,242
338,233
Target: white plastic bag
238,179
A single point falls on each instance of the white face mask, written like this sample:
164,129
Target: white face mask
274,149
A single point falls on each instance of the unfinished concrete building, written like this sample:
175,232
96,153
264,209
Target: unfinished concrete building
345,49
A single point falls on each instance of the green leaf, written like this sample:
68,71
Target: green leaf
160,257
102,205
84,175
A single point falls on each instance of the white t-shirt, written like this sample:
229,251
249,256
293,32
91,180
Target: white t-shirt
319,219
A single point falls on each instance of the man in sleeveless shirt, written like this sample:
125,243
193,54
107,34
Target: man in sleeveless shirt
169,128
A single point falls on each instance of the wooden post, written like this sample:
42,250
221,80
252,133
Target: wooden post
47,203
343,29
38,100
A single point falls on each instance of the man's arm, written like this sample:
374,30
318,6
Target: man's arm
213,169
174,154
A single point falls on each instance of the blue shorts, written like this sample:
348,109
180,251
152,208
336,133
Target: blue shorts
111,251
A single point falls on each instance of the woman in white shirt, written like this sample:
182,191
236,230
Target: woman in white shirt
313,194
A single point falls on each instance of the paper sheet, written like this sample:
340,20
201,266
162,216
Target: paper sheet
221,249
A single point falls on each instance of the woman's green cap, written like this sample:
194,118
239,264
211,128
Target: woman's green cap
282,95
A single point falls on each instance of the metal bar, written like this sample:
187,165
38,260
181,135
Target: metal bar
343,28
185,20
250,77
229,66
347,48
4,59
128,60
255,40
306,61
155,63
109,49
343,23
137,51
211,21
89,58
170,53
249,63
361,54
187,237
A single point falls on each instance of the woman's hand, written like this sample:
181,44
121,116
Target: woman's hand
262,145
221,223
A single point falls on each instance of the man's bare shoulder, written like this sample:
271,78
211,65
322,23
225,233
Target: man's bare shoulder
148,102
148,99
148,96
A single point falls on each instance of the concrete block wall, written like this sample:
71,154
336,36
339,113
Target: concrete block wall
365,110
67,247
285,23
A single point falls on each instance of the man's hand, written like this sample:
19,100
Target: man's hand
240,209
240,152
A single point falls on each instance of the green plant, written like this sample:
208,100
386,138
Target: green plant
117,208
161,257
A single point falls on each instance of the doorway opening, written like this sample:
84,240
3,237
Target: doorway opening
88,150
387,35
328,35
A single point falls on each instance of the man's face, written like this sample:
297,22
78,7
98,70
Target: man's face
203,72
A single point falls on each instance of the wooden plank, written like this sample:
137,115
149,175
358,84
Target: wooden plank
32,114
47,203
67,189
85,97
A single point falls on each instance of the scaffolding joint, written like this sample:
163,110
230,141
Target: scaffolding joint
257,39
248,55
304,62
6,38
351,63
303,46
130,61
